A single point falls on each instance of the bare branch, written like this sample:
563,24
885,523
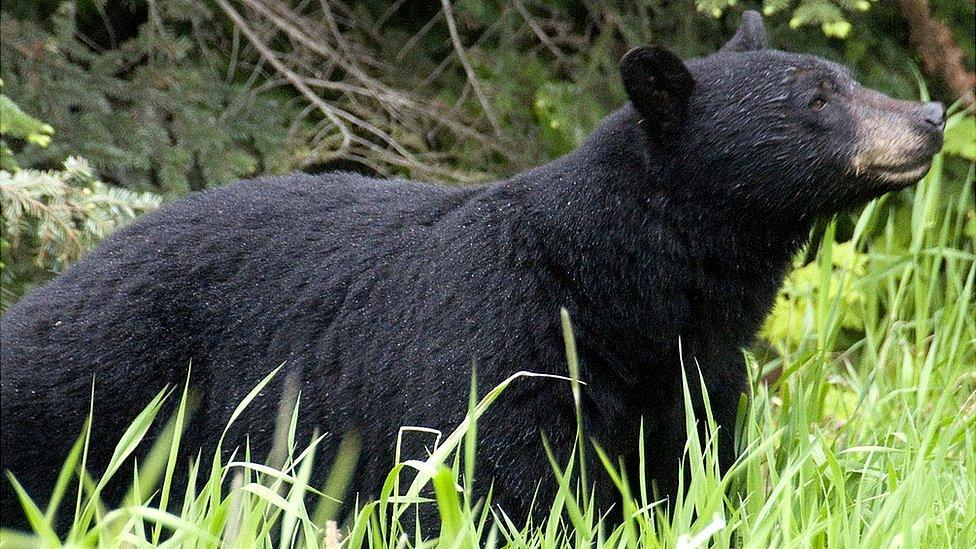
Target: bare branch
293,78
540,34
463,58
329,61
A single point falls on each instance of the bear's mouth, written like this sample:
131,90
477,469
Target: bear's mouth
902,173
897,157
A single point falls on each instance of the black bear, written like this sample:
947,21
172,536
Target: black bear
674,222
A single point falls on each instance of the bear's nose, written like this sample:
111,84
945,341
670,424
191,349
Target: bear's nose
933,113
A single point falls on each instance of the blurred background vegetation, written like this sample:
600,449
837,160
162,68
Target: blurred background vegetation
110,107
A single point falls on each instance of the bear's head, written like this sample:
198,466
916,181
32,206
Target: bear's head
776,133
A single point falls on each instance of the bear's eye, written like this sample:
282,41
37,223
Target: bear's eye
817,103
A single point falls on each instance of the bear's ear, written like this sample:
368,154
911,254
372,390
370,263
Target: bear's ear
751,35
659,85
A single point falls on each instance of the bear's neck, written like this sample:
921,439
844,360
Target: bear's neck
624,243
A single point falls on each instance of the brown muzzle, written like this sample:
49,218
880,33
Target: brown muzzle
896,140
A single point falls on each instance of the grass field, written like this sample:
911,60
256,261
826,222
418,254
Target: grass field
861,431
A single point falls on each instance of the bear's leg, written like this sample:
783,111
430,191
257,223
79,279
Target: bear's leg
665,446
724,401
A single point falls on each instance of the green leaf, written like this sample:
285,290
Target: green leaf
960,138
35,517
18,124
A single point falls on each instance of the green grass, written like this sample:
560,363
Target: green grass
861,431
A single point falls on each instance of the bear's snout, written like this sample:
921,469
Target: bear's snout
930,118
896,140
934,115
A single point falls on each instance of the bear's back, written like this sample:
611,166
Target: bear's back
201,267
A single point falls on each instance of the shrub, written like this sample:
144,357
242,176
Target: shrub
159,112
51,217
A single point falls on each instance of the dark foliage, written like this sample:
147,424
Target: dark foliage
149,105
170,96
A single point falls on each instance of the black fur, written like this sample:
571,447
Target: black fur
751,35
380,295
659,86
